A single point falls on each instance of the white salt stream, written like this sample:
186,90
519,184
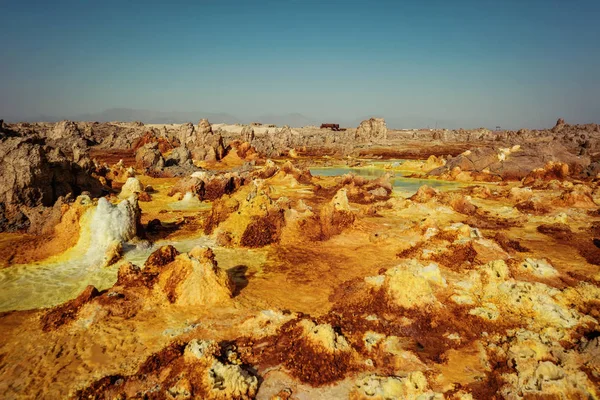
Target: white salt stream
58,279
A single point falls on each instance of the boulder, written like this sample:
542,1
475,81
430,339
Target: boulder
179,156
148,157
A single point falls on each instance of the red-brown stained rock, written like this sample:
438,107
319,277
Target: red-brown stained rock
219,212
531,207
162,359
163,144
262,231
558,231
161,257
304,360
484,221
67,312
509,245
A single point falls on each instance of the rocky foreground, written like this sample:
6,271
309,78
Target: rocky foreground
255,278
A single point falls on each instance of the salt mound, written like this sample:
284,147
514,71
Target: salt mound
188,201
131,186
111,225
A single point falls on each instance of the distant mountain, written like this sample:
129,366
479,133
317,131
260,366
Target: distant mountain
156,117
129,115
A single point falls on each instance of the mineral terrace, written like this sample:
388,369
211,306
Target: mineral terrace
216,261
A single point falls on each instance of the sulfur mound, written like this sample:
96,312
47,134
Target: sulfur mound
494,295
67,312
195,279
412,386
542,368
258,220
314,353
200,369
410,284
219,380
336,215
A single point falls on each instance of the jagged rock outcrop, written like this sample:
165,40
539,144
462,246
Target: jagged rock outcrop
186,134
117,135
275,141
512,163
6,131
204,128
67,136
31,175
206,144
247,134
560,124
371,130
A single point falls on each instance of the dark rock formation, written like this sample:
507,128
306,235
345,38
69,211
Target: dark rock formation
32,175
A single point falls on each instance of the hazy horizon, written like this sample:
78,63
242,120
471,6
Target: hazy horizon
455,64
291,119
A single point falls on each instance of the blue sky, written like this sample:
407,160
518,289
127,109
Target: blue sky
460,63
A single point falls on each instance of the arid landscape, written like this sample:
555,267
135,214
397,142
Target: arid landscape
231,261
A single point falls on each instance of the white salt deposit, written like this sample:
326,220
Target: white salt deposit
112,223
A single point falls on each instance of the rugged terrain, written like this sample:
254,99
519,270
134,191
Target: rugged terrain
221,261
